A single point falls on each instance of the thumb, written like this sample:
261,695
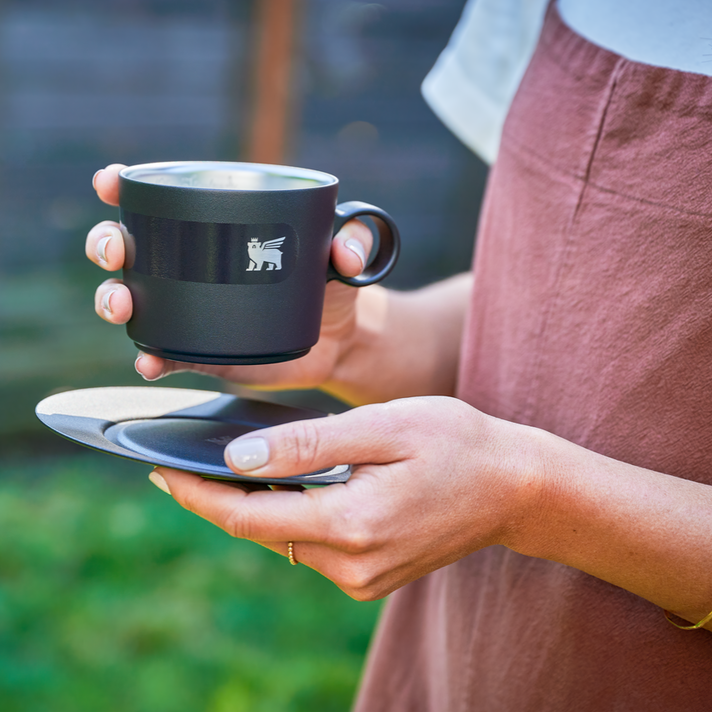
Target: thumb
366,435
351,247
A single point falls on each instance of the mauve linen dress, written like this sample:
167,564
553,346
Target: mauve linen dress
591,318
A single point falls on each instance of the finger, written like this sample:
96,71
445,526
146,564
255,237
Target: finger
161,475
106,183
307,551
264,516
112,302
350,248
358,576
272,519
368,435
105,246
153,367
319,557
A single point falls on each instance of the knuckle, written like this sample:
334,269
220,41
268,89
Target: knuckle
357,230
361,231
353,531
362,577
358,539
235,525
366,596
301,444
359,583
231,519
188,500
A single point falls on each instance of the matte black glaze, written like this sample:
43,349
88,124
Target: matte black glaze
200,291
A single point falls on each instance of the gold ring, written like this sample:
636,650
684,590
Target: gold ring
290,553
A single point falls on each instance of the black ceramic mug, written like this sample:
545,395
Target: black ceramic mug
227,263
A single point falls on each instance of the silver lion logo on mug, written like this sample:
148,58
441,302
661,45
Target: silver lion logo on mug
264,253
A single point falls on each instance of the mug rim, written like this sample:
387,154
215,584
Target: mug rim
321,178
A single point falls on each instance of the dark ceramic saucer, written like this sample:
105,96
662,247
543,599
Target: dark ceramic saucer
172,427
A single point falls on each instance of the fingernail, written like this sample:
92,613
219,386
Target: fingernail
93,180
248,454
136,362
159,482
356,247
106,301
101,248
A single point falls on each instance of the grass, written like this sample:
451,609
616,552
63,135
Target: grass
113,598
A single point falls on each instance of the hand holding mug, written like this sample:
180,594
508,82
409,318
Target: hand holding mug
107,246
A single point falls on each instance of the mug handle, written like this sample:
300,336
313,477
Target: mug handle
388,248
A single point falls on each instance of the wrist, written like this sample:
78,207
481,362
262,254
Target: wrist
534,471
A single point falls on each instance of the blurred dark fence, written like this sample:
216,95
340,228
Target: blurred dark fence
83,84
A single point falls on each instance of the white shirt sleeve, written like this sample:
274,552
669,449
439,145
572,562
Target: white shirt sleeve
475,78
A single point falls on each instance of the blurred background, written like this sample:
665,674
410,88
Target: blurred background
111,597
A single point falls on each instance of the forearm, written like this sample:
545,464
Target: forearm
644,531
405,343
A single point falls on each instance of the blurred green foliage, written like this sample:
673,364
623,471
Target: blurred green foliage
51,339
113,598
